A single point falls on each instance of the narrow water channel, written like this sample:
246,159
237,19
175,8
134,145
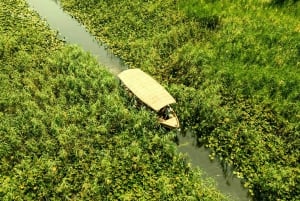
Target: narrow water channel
226,182
74,33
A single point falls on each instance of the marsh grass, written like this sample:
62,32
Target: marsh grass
68,133
234,66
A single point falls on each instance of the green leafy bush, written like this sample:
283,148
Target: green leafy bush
234,66
67,131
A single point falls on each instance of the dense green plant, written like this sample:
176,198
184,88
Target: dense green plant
207,12
234,66
281,2
68,132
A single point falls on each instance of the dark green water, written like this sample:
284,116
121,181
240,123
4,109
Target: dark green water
74,33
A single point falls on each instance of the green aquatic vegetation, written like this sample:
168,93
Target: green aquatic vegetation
234,69
67,130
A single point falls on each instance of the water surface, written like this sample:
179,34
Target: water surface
226,182
74,33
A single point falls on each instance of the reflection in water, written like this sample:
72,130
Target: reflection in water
71,31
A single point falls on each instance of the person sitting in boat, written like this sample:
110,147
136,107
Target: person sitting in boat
166,112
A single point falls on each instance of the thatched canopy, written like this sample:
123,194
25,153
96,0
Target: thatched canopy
146,88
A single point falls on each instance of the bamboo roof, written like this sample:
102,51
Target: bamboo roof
146,88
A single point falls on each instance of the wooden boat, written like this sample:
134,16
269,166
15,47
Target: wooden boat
150,92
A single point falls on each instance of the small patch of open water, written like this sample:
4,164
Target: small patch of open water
73,32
